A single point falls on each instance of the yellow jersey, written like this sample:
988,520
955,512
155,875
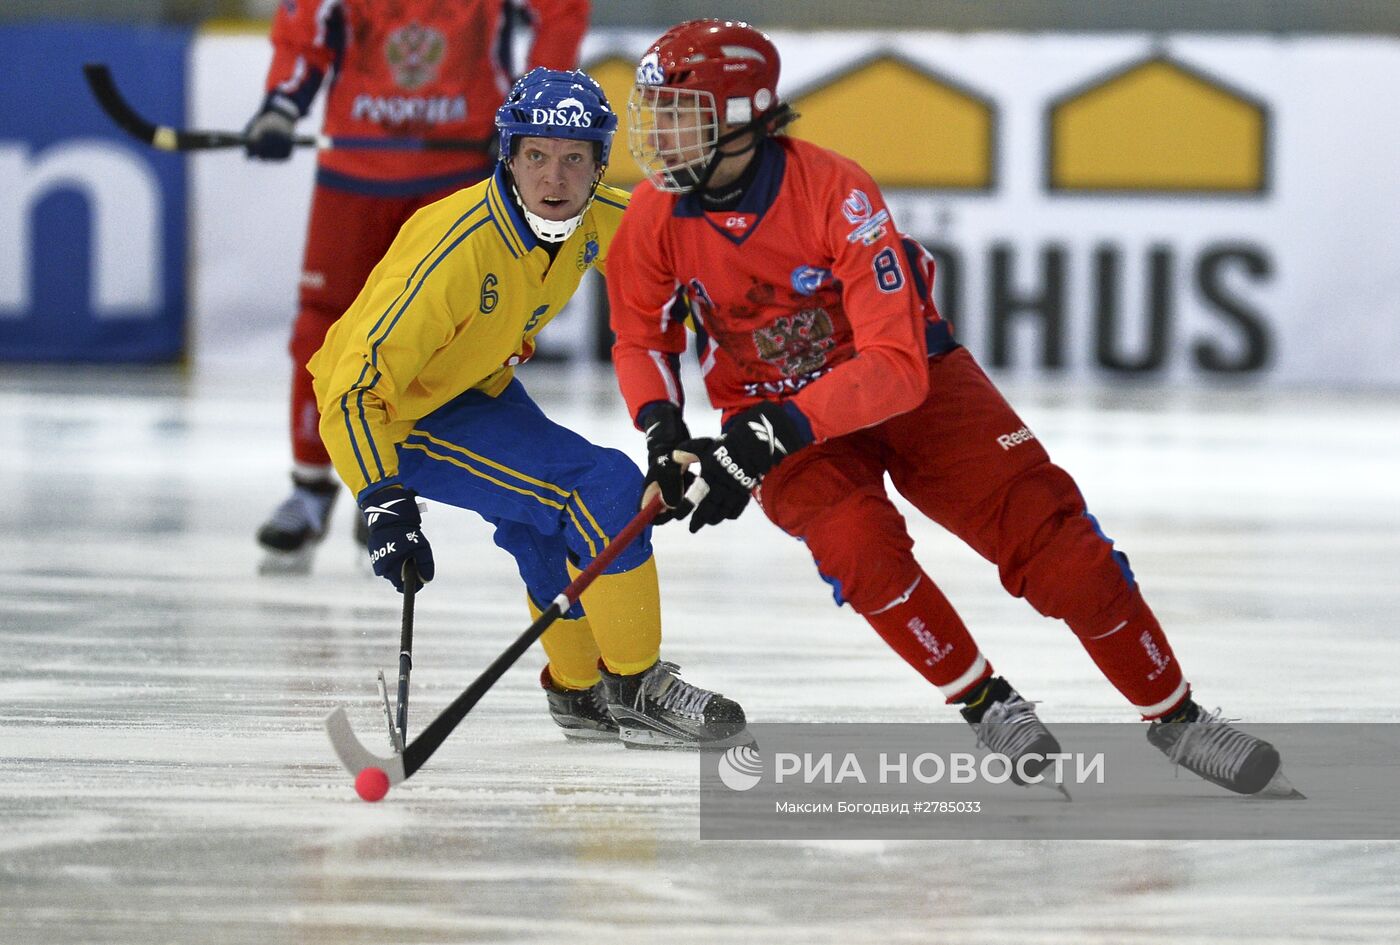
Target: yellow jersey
453,306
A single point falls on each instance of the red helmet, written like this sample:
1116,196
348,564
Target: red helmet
702,84
734,62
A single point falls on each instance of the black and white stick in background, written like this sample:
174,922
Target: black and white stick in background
165,138
374,775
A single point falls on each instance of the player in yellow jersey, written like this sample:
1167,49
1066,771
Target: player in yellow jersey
418,396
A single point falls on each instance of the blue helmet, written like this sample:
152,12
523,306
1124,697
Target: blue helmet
550,103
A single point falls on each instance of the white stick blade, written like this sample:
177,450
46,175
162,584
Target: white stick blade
354,755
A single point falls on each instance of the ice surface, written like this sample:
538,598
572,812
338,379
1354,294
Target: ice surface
166,777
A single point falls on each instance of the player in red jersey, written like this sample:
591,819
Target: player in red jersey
392,68
819,340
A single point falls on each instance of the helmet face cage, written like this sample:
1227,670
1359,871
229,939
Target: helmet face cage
673,135
700,78
549,103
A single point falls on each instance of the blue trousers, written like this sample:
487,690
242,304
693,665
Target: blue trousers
551,494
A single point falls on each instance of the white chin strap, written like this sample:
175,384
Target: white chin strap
551,231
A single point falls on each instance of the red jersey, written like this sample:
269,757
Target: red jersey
805,293
420,68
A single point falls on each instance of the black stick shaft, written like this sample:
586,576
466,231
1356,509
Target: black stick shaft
166,138
432,737
410,589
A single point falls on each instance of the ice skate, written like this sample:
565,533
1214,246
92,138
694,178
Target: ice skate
296,527
1207,745
1006,724
581,713
657,709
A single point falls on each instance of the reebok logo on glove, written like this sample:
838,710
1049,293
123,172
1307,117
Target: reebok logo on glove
762,430
734,464
396,535
389,548
734,469
372,512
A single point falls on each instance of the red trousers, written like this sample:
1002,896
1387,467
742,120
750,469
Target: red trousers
347,236
967,461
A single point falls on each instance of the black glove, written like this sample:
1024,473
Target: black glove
269,132
665,430
735,463
395,534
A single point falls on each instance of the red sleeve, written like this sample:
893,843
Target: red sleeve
646,308
559,27
889,373
306,39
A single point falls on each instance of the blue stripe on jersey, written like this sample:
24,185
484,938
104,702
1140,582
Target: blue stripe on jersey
504,237
500,212
364,425
354,442
512,212
359,385
303,94
673,361
350,427
610,203
912,253
374,347
938,338
702,341
409,281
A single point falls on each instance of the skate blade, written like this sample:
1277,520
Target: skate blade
646,739
589,735
1280,789
286,563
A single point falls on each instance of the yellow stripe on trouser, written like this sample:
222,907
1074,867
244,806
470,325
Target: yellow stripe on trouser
476,472
573,654
593,546
625,613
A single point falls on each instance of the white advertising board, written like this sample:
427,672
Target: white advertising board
1284,275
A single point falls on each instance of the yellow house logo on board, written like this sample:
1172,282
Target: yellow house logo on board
1157,126
906,125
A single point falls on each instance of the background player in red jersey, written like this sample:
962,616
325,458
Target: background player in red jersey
820,341
418,68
